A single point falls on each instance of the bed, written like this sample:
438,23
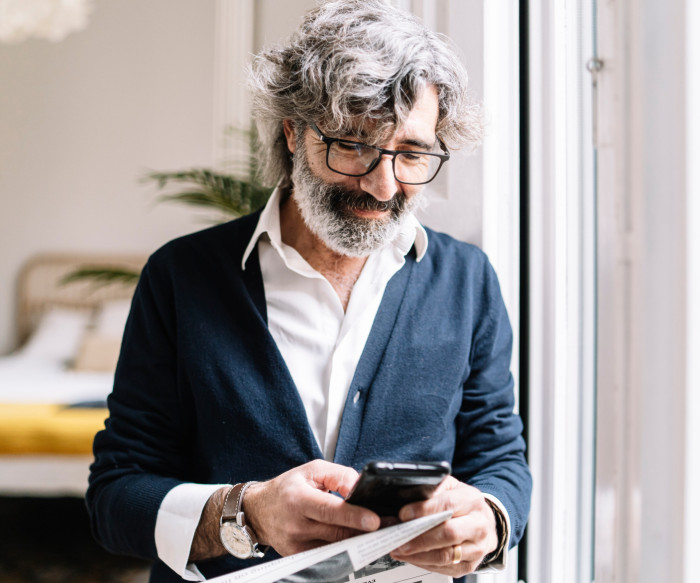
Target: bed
53,388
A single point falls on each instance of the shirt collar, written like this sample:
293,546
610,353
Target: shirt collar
412,232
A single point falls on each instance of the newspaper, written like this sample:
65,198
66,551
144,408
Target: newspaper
360,559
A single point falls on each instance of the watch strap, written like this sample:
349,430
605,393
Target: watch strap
233,501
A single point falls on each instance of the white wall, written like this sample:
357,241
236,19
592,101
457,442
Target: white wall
81,120
275,21
692,444
647,351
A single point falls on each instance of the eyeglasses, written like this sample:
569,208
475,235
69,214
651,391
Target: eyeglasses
357,159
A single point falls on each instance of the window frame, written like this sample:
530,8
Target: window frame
562,295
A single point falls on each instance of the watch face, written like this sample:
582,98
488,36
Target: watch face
236,540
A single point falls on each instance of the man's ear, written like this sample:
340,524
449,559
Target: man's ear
290,134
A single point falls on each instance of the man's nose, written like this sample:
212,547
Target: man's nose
380,183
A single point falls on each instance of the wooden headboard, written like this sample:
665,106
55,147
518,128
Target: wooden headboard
39,285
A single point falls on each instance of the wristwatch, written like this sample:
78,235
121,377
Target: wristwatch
238,538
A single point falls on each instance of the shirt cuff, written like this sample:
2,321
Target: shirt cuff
176,523
499,561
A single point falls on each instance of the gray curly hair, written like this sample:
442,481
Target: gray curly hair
353,63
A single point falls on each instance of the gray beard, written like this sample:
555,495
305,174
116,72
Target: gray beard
327,212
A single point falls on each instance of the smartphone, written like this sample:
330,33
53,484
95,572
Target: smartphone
385,487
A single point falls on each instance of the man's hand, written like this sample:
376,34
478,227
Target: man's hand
295,511
466,537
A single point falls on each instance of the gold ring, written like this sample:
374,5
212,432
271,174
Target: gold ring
456,554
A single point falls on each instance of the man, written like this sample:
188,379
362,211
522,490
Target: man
281,352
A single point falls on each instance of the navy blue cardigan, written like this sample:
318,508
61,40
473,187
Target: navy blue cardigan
202,393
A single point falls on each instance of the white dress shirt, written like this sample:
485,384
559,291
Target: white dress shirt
321,344
320,341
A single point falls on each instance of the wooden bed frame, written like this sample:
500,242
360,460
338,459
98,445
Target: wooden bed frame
39,285
39,288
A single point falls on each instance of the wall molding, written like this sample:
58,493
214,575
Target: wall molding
234,38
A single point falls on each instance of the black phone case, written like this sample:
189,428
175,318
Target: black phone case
385,487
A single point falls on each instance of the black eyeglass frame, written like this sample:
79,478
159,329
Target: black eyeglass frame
382,152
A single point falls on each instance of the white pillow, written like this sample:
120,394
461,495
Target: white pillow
99,349
97,353
111,318
58,335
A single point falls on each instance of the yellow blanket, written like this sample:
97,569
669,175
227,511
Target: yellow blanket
44,428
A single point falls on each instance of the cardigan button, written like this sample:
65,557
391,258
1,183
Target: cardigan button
356,398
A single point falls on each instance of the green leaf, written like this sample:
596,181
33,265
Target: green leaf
101,276
206,188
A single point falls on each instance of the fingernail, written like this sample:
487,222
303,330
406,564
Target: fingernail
408,514
404,549
367,523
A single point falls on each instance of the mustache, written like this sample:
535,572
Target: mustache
343,198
